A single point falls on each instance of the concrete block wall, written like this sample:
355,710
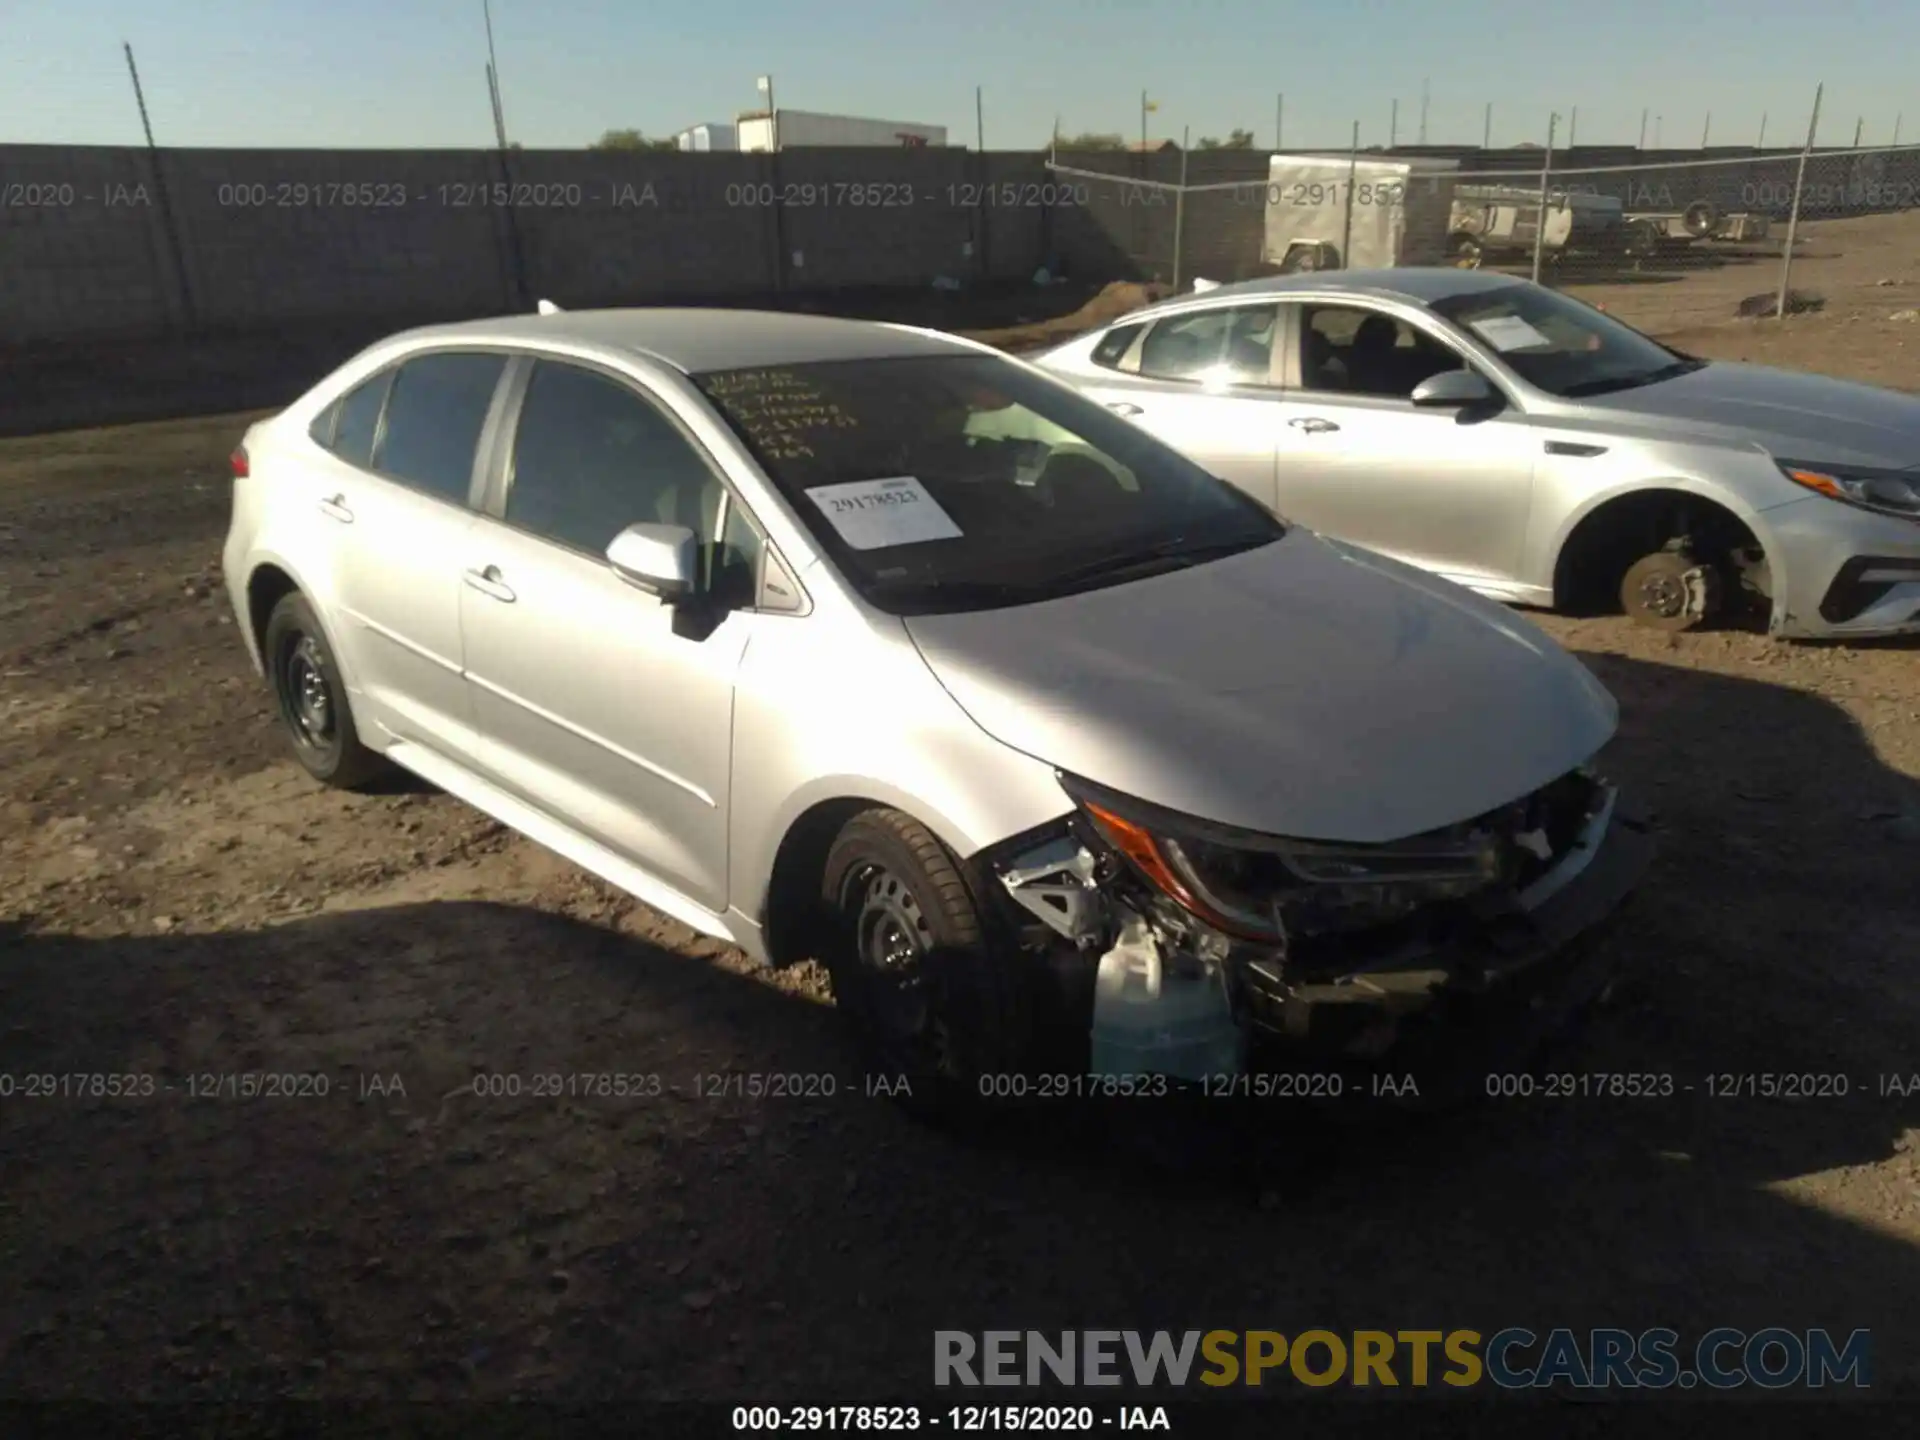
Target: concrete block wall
99,242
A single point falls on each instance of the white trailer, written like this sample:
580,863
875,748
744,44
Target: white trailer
1327,212
714,135
760,131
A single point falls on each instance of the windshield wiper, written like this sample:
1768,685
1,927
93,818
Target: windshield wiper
1613,383
937,596
1175,554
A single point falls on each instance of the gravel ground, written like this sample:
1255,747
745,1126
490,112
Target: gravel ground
181,903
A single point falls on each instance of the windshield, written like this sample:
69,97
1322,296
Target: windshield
953,482
1558,344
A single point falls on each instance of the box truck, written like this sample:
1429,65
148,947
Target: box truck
761,131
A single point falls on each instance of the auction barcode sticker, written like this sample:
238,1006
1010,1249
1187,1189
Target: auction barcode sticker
877,514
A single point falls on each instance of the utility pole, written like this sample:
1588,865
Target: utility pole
765,84
1761,143
1643,128
1393,126
1573,126
1143,122
493,69
1486,129
1896,129
1423,112
1658,121
139,96
1858,126
979,121
1706,129
493,99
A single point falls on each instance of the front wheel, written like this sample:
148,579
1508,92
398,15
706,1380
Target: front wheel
312,698
931,1000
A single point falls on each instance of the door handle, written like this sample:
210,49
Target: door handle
1123,407
335,508
1313,424
489,583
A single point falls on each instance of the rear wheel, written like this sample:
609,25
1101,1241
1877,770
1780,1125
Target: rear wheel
930,999
1670,590
312,698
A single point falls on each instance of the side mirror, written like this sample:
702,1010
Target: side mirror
662,560
1453,390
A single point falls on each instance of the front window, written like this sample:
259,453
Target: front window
955,482
1560,345
1358,351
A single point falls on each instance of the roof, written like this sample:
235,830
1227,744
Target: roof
1420,284
695,340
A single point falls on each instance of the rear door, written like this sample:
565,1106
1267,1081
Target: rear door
1204,382
1359,461
399,479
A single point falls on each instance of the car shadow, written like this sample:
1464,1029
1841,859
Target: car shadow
700,1199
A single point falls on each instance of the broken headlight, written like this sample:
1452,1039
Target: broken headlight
1264,888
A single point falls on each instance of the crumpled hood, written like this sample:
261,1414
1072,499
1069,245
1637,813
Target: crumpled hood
1795,415
1307,689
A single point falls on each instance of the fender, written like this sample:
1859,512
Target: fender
1753,519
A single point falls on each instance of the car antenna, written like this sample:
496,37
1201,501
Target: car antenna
547,307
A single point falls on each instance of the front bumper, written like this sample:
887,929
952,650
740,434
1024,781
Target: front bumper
1480,1002
1841,572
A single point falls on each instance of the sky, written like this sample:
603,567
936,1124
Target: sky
331,74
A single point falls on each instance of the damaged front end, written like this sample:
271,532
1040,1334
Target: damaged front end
1191,950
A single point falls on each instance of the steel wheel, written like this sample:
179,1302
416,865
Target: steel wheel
892,939
305,698
312,699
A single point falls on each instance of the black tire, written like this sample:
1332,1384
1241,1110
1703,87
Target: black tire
1653,592
312,698
930,998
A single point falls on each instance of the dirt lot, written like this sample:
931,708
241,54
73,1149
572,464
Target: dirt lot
183,903
1865,271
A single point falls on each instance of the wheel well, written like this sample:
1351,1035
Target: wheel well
793,912
1594,558
266,588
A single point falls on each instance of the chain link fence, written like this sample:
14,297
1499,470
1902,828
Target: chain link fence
1667,243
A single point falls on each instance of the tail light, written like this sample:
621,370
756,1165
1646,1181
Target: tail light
238,460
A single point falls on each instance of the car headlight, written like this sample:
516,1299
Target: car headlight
1891,492
1264,888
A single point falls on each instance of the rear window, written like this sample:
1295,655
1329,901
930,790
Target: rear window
356,419
965,481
